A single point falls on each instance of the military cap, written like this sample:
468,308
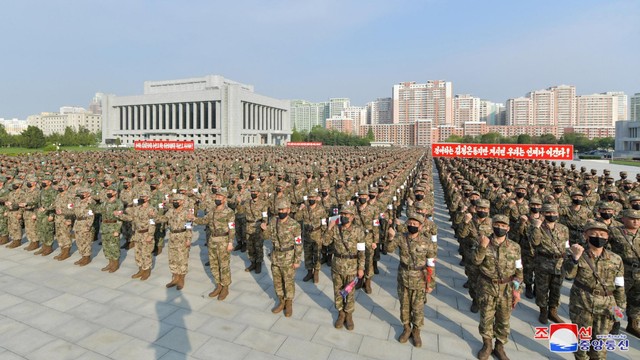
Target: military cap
82,191
557,183
178,197
535,201
483,203
183,187
142,174
255,188
605,171
605,205
419,188
32,178
468,188
634,198
499,218
610,189
3,179
313,194
154,181
521,186
475,192
630,213
595,225
108,178
549,208
47,178
144,193
373,190
112,187
575,193
348,209
382,183
415,216
627,181
421,205
222,191
126,180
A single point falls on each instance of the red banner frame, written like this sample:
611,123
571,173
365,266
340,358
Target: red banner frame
304,144
164,145
504,151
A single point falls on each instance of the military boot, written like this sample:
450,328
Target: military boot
65,253
348,322
466,284
329,257
145,274
340,322
544,316
415,334
32,246
375,268
115,266
487,348
251,267
288,308
258,267
367,286
108,267
40,250
46,250
633,327
14,244
159,250
279,306
173,282
138,274
216,291
529,291
474,306
127,245
553,315
309,276
498,351
83,261
180,284
406,333
224,292
316,276
615,330
4,240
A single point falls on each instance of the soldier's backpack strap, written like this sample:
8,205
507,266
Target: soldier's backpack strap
587,259
550,235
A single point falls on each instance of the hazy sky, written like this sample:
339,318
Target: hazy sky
60,52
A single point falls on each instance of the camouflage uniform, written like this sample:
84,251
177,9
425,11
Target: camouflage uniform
527,249
83,226
45,216
31,197
143,221
127,196
4,227
180,237
367,217
255,211
574,217
14,215
109,226
63,220
313,219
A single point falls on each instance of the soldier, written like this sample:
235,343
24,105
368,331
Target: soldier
82,211
45,216
157,200
313,217
517,208
221,222
63,220
605,211
598,285
255,209
110,227
127,198
286,236
15,208
559,196
179,220
4,226
550,239
31,197
500,268
625,241
348,262
575,215
526,246
416,274
367,217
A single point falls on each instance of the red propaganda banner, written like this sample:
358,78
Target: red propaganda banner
304,144
504,151
164,145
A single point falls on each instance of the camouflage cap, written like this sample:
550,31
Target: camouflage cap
468,188
373,190
143,193
605,205
255,188
421,205
631,214
3,179
610,189
222,191
475,192
419,188
535,200
623,173
549,208
46,178
595,225
576,193
521,186
112,187
557,183
500,219
634,198
415,216
83,191
348,209
32,178
176,197
154,181
483,203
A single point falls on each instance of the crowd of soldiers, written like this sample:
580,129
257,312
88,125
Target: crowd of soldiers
526,226
336,206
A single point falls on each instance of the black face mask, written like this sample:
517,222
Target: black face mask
611,197
535,210
214,190
252,178
296,182
141,201
153,187
233,181
577,201
606,216
520,195
569,183
635,206
217,202
125,186
176,205
324,193
412,229
467,194
626,187
508,190
475,202
609,182
209,182
16,186
558,190
597,241
44,185
419,197
499,232
254,196
282,216
338,186
357,178
29,185
371,197
623,177
551,218
308,176
344,220
585,189
312,202
140,179
60,190
482,214
239,187
278,189
110,195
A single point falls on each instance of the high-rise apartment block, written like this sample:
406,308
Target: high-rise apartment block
542,107
336,105
380,111
634,114
432,100
520,111
466,108
305,115
599,110
564,101
623,113
492,113
73,117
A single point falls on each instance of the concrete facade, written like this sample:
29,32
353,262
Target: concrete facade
210,110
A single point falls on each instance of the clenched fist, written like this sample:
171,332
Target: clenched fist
576,251
467,217
484,241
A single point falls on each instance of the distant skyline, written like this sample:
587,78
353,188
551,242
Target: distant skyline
58,53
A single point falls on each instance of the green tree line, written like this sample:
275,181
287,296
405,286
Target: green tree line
34,138
579,141
331,137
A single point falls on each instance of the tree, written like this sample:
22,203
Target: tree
524,139
33,138
296,136
4,136
370,135
490,138
547,139
454,139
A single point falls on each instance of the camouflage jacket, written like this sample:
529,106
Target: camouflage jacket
221,224
313,219
627,246
550,245
416,269
286,236
368,219
498,262
348,248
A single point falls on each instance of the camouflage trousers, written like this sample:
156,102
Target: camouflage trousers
159,234
548,289
527,269
220,262
632,291
600,324
45,229
110,242
255,249
339,282
14,222
179,252
283,279
4,226
143,244
312,252
63,231
241,228
84,238
495,314
368,256
127,230
472,273
411,305
30,221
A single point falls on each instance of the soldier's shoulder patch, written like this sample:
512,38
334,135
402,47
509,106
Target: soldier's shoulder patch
232,225
298,240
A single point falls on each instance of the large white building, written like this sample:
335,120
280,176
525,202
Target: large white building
380,111
305,115
599,110
520,111
210,110
466,108
432,100
634,110
76,118
492,113
623,112
14,126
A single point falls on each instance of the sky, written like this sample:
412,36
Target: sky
61,52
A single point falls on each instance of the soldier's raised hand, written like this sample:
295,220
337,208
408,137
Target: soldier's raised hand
391,232
576,251
484,241
467,217
512,203
263,226
524,218
536,222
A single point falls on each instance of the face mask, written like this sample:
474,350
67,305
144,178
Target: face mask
44,185
140,179
176,205
520,195
324,193
558,190
254,196
597,242
578,201
308,176
217,202
482,214
412,229
611,197
499,232
474,202
627,187
60,190
569,183
344,220
419,197
338,186
594,172
239,187
296,182
585,189
467,194
125,186
371,197
541,187
357,178
535,210
15,186
141,201
29,185
210,182
551,218
252,178
606,216
312,202
508,190
110,195
214,190
362,200
282,216
635,206
153,187
278,189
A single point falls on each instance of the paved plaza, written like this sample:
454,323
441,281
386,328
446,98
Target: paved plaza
55,310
